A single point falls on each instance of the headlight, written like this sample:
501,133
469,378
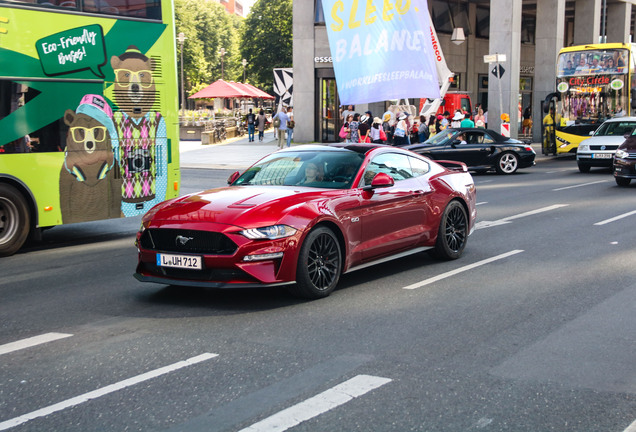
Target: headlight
584,147
270,233
622,154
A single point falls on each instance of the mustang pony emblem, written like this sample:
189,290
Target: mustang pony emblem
182,240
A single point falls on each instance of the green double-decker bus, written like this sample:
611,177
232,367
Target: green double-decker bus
88,112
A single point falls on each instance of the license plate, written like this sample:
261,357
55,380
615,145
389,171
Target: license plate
180,261
602,156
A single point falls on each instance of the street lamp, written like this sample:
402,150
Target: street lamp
181,39
244,63
222,53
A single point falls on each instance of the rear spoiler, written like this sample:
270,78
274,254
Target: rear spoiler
453,165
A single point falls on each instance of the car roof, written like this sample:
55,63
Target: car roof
620,119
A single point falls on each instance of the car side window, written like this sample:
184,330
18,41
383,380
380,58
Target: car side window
475,138
419,167
488,139
394,164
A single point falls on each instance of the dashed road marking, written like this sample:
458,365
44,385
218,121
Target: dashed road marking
32,341
461,270
8,424
614,219
488,224
319,404
580,185
631,427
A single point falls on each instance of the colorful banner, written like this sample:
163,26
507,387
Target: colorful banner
381,49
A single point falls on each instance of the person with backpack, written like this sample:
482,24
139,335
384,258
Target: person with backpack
251,123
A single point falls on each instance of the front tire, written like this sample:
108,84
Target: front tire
15,220
507,163
319,265
584,168
622,181
452,233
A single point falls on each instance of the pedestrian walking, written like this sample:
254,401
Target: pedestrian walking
260,124
353,128
251,124
281,118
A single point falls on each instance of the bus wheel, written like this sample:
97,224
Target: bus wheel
15,220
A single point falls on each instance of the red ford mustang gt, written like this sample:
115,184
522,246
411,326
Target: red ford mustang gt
305,215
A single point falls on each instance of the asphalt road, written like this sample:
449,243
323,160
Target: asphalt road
533,329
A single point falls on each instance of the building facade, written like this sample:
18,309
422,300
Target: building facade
529,33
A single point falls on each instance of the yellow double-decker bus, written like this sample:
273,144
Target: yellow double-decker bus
593,83
88,112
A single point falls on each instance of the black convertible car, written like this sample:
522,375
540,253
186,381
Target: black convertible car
480,149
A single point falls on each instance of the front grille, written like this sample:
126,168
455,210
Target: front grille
187,241
607,147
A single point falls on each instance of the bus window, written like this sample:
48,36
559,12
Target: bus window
49,138
150,9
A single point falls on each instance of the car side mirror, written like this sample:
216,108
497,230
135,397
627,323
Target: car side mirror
592,133
233,177
381,180
455,143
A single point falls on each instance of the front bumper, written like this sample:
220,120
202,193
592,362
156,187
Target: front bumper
229,270
594,160
625,168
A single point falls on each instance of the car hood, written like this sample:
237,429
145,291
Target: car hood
604,140
629,144
243,206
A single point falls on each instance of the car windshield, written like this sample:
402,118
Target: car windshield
332,169
441,137
616,128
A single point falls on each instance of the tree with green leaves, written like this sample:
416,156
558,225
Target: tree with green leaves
208,28
266,41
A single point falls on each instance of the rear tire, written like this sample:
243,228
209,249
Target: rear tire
507,163
622,181
319,265
15,220
453,232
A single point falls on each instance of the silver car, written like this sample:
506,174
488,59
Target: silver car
599,149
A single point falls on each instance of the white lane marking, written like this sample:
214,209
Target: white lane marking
614,219
488,224
481,203
32,341
319,404
461,269
8,424
631,427
580,185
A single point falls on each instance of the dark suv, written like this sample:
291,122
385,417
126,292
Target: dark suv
625,162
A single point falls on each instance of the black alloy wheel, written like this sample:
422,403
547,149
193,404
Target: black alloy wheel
453,232
319,265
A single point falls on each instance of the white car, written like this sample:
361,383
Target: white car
599,149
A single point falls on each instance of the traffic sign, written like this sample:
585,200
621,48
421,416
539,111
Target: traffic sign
501,71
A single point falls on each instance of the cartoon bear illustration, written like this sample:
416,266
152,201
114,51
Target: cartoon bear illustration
90,184
143,153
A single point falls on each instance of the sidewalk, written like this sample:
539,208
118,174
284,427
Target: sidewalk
234,154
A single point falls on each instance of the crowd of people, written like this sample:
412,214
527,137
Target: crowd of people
402,128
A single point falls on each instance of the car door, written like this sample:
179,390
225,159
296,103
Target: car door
392,218
477,148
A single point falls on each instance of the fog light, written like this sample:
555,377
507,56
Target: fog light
263,257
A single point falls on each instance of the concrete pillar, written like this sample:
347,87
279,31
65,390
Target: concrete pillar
505,38
548,42
587,21
304,81
618,22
